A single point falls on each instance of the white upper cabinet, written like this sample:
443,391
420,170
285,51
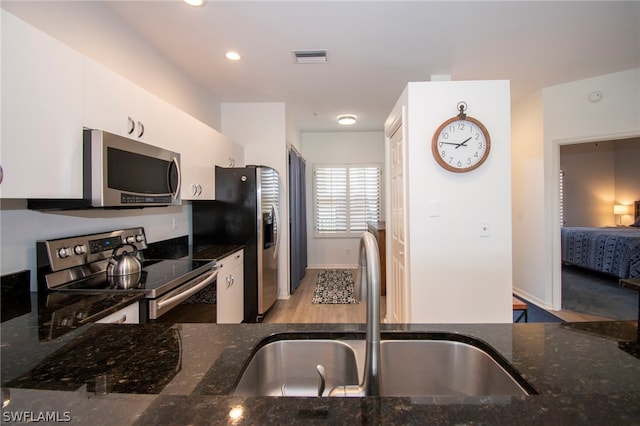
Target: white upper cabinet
50,92
115,104
201,148
194,141
41,142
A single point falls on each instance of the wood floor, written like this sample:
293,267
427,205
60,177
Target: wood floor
299,309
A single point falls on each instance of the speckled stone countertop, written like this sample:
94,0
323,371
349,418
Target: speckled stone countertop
185,374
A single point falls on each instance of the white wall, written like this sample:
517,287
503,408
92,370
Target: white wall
627,173
261,128
598,175
527,178
456,275
589,183
567,117
332,148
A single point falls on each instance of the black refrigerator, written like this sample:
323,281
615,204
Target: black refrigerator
245,211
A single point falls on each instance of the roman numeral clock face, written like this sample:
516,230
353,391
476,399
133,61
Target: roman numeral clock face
461,144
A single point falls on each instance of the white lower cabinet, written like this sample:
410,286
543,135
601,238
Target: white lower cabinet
127,315
230,293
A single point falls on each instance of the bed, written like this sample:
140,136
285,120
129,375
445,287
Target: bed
613,250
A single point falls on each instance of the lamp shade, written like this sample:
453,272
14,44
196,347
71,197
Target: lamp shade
622,209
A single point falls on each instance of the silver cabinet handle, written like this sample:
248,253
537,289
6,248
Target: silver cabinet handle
140,129
1,174
131,125
121,320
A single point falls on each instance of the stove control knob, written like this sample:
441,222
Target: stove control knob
130,239
80,249
64,252
139,237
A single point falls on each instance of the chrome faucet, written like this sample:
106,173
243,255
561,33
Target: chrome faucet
368,290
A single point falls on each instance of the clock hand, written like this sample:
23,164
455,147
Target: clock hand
451,143
463,143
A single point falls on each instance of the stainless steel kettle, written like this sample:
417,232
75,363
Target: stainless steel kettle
124,268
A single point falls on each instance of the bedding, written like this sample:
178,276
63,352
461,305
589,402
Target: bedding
614,251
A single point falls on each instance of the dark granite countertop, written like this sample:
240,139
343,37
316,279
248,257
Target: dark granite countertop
215,252
184,374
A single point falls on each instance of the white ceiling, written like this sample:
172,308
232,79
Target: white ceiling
376,47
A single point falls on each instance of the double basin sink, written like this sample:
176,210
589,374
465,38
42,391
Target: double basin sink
420,364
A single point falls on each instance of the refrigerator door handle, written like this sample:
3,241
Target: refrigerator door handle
276,217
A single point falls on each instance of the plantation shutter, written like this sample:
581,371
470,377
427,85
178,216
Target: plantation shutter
364,197
346,198
331,199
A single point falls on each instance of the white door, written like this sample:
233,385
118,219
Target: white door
399,289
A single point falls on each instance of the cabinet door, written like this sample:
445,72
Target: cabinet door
192,139
41,142
230,294
115,104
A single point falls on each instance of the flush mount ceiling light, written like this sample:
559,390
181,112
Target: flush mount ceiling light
347,119
233,56
195,3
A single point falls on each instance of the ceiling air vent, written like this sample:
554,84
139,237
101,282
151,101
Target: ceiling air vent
310,56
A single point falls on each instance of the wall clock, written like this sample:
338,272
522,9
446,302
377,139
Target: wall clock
461,143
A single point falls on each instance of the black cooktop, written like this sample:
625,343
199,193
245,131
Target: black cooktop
157,277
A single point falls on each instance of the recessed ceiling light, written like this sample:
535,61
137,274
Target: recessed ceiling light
194,3
233,56
347,119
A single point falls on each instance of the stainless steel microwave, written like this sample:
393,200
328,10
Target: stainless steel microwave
129,173
122,173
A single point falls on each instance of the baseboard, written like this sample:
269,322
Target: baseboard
533,299
332,266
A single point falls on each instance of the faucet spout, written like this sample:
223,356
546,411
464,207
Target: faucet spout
369,264
368,290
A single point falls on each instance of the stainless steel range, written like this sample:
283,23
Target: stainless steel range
80,265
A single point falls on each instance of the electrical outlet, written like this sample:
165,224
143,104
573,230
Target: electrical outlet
174,223
348,251
485,230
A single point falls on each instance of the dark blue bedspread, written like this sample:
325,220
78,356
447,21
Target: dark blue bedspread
614,251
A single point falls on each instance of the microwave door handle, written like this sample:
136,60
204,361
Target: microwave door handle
176,193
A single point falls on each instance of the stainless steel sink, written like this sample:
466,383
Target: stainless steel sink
409,367
442,368
288,368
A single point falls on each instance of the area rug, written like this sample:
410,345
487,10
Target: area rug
334,286
535,313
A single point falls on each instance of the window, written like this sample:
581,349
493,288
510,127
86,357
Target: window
346,197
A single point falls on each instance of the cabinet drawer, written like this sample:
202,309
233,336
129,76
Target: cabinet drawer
231,261
126,315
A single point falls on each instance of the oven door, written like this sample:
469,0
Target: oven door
169,300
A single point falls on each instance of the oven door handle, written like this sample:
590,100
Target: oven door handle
178,298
